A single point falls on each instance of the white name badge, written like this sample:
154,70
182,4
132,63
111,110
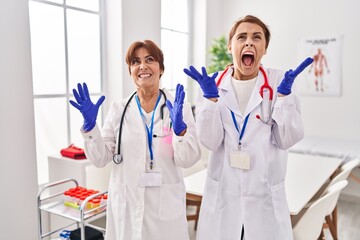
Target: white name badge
240,159
151,179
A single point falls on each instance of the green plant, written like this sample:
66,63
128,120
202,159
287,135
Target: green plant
219,56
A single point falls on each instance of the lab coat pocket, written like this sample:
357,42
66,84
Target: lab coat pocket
280,205
209,200
117,201
172,201
165,148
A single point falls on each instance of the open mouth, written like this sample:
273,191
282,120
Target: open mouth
144,75
247,59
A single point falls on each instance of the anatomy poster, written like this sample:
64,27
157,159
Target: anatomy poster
323,76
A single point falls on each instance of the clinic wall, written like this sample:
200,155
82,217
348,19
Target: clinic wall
290,20
18,177
112,52
141,20
127,21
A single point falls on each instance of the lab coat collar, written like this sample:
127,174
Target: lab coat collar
227,93
255,98
229,98
135,111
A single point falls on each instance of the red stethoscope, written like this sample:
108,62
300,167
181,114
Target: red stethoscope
266,92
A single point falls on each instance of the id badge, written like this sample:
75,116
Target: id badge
240,159
151,178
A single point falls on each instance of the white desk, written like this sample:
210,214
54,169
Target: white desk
304,177
195,184
340,148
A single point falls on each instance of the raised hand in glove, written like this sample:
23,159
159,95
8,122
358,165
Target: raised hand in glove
85,106
287,82
176,110
206,83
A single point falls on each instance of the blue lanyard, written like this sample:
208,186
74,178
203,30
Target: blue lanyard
149,130
237,127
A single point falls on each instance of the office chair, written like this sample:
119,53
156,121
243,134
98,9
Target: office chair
308,223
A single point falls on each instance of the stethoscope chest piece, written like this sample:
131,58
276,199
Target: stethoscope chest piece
117,158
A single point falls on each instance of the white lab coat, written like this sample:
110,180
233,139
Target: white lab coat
256,197
135,212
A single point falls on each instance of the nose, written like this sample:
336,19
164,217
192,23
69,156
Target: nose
249,42
143,66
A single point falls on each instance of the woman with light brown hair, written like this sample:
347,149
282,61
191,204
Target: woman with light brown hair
147,137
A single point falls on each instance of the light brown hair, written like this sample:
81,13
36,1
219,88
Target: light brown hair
254,20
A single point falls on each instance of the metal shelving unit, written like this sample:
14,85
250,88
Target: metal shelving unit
53,205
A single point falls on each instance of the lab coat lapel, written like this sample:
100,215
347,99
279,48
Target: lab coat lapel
157,116
135,113
228,96
255,98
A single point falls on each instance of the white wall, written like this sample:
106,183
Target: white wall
18,180
113,56
289,20
127,21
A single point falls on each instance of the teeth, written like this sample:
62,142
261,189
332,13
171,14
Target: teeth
144,75
248,53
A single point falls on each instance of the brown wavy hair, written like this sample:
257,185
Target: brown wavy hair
254,20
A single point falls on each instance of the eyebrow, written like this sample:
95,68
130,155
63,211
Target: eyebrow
242,33
145,57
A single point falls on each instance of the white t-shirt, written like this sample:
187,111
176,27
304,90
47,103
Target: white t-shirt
147,116
243,90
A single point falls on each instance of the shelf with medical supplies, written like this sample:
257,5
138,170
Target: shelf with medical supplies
60,198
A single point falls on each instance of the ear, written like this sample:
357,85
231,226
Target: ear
229,48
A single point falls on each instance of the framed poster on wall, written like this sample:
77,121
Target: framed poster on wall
323,76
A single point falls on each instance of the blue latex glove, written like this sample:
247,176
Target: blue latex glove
287,82
176,111
206,83
85,106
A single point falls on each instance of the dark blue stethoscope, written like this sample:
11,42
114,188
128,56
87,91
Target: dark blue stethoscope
117,158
